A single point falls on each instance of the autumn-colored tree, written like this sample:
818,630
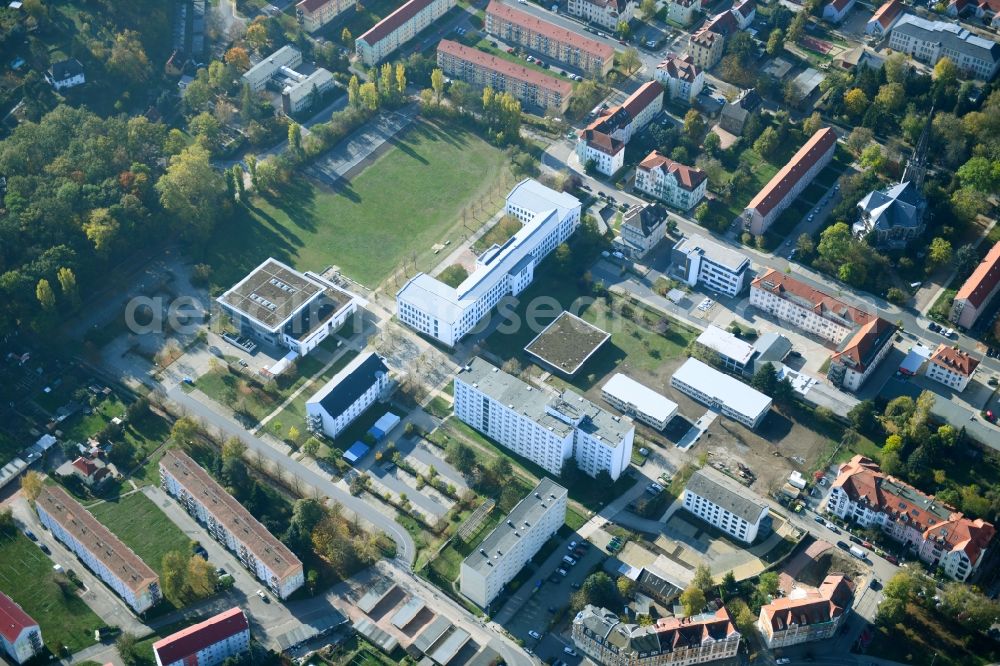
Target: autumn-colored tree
46,297
31,484
437,83
856,102
200,579
238,58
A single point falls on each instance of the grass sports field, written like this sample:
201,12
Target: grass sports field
406,201
26,575
140,524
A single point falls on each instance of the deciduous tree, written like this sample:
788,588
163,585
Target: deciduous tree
191,191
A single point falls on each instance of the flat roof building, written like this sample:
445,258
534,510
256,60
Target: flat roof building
736,355
789,182
929,41
97,547
567,343
567,47
506,549
720,501
447,313
638,401
398,28
258,75
230,523
719,391
544,426
530,87
207,643
698,260
347,395
283,307
20,635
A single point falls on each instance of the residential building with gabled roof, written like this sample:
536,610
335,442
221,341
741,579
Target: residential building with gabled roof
606,13
20,635
642,228
807,614
978,291
682,79
940,535
398,28
720,501
347,395
735,113
952,367
705,48
884,18
673,183
683,12
314,14
929,41
669,641
857,359
207,643
836,11
893,216
603,141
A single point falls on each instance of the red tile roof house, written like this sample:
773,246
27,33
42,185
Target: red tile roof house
20,636
206,643
952,367
940,536
398,28
837,10
675,184
884,18
603,140
857,359
978,291
788,183
807,614
681,78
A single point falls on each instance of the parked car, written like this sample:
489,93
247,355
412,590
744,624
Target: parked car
891,559
570,651
575,586
819,519
30,535
534,634
843,545
263,596
45,549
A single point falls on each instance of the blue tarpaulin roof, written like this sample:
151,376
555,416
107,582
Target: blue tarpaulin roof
356,452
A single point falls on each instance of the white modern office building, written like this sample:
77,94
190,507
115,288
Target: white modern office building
230,523
505,551
301,91
671,182
207,643
698,260
736,355
347,395
281,306
545,427
98,548
728,395
446,313
720,501
638,401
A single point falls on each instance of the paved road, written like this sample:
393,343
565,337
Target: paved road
406,549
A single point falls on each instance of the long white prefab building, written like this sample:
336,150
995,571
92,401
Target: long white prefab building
545,427
231,524
720,501
345,397
503,553
718,390
736,355
640,402
446,313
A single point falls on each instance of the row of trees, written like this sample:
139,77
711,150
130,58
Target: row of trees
960,603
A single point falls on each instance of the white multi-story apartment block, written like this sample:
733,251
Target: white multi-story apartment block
603,141
720,501
98,548
698,260
20,635
640,402
398,28
670,641
683,12
565,46
719,391
606,13
230,523
545,427
258,75
281,306
506,549
314,14
642,229
682,79
789,182
446,313
929,41
807,308
856,360
941,536
807,614
952,367
347,395
671,182
207,643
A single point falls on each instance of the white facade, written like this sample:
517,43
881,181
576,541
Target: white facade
720,501
258,75
302,90
607,158
802,313
736,355
65,519
697,260
231,524
683,12
681,77
606,13
544,427
604,140
314,14
837,11
20,635
951,367
446,313
671,182
929,41
505,551
638,401
191,646
398,28
719,391
347,395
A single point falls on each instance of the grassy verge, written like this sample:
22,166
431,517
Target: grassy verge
143,527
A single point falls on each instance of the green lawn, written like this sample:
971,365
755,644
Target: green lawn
26,575
411,198
143,527
926,638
